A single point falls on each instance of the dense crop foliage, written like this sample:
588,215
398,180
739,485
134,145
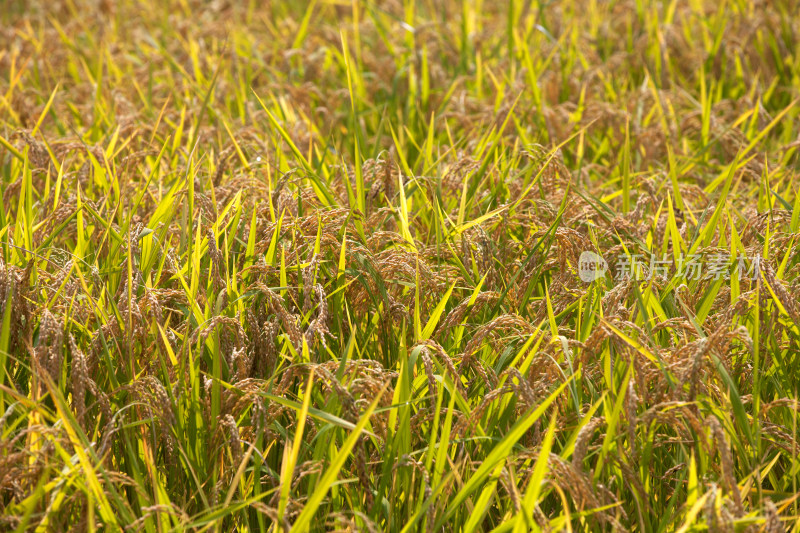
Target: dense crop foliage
318,266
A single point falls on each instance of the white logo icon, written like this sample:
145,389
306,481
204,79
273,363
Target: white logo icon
591,266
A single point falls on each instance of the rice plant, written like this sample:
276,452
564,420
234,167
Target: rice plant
399,266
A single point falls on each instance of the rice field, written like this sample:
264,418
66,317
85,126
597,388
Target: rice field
399,266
